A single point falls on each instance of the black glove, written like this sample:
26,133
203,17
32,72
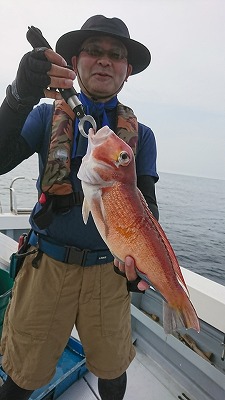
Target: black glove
132,286
31,80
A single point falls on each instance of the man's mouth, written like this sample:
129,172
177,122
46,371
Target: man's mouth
102,74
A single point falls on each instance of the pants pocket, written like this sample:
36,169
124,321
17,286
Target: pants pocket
115,303
35,296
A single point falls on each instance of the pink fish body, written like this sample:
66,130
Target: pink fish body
127,226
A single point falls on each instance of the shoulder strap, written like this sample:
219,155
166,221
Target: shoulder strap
127,126
55,177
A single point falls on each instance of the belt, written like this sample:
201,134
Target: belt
71,254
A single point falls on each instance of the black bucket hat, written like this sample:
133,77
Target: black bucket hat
69,44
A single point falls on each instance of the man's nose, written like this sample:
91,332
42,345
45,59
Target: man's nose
104,59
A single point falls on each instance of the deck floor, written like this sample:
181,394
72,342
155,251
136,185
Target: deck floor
142,384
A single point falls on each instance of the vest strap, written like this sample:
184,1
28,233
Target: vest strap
55,179
54,204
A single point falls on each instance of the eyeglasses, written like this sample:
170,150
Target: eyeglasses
116,54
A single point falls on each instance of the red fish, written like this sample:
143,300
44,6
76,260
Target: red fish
128,227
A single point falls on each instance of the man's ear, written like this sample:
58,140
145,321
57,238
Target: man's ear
74,63
129,71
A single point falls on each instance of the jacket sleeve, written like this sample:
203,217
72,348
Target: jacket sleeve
146,169
13,147
146,184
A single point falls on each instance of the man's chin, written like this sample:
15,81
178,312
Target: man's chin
97,94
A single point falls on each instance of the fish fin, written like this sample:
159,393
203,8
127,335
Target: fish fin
97,203
171,319
182,283
100,214
175,319
167,244
85,211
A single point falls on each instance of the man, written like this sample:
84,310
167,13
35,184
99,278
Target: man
62,283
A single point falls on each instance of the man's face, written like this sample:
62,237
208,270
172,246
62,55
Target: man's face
101,66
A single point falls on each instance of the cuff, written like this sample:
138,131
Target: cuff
17,104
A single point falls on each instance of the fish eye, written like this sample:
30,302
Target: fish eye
124,158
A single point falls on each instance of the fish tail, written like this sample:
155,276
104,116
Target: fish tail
177,318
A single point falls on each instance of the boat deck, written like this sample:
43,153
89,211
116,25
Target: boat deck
147,379
142,384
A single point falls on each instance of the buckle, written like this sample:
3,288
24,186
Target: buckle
76,256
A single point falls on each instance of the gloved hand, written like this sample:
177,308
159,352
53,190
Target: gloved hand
128,271
31,79
38,69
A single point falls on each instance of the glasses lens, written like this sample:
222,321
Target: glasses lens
114,54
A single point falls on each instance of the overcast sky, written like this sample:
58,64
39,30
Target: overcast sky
181,95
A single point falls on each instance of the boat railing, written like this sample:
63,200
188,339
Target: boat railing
14,209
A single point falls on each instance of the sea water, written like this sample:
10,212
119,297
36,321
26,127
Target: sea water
192,214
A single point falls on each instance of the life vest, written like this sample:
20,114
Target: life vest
55,184
55,179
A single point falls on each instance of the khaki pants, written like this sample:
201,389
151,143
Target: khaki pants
45,305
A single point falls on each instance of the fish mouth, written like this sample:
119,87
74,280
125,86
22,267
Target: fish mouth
100,136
